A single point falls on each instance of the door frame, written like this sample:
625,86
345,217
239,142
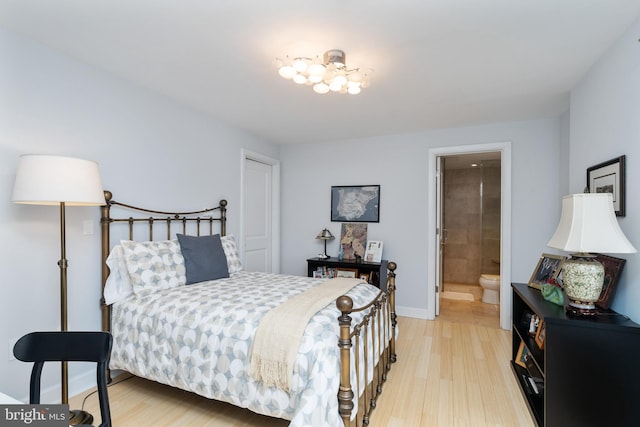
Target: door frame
505,224
439,264
275,204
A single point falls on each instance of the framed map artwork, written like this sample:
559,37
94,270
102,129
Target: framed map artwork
355,203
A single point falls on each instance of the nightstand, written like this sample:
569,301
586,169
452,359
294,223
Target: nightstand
377,271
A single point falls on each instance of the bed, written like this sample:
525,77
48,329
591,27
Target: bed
309,350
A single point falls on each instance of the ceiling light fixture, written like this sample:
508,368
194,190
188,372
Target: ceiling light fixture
329,75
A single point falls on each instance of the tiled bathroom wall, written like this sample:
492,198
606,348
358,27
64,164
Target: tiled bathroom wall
471,222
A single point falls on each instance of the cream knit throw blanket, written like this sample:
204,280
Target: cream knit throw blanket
278,336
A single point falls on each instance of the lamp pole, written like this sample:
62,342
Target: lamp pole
63,298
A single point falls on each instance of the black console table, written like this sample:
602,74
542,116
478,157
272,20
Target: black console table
377,271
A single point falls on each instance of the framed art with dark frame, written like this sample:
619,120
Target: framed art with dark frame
609,177
548,268
355,203
612,270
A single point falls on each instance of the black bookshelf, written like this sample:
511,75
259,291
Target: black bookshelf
588,367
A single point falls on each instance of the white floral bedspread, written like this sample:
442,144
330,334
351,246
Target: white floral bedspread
198,338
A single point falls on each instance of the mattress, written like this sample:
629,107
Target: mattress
198,338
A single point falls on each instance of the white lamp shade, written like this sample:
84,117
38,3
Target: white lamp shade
49,180
588,223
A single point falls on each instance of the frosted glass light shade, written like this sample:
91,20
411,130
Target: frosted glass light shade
49,180
317,70
321,88
588,223
300,79
287,72
300,65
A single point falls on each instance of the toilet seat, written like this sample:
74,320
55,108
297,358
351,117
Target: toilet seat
492,277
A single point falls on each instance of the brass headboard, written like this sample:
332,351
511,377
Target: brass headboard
195,221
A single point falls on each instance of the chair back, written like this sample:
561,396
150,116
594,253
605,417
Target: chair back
67,346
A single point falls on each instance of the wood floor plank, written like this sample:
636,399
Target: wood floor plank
449,374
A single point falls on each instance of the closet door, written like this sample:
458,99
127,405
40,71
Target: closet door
257,216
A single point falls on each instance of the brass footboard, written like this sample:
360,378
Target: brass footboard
377,331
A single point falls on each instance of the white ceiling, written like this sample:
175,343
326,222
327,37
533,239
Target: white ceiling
437,63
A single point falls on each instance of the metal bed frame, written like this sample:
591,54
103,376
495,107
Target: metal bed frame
376,330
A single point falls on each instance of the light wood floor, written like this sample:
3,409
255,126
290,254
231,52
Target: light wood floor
476,311
448,374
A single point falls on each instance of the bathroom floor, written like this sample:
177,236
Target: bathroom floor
462,303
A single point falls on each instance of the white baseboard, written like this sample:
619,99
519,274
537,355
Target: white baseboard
77,384
416,313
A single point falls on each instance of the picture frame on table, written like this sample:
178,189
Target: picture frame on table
534,322
373,252
526,319
521,357
355,203
540,335
347,272
353,240
609,177
548,267
612,270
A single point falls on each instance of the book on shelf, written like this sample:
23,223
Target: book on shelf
533,377
533,387
324,272
532,368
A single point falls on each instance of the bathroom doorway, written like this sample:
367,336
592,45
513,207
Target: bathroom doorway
434,268
470,237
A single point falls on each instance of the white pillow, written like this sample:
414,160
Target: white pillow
118,285
154,265
231,251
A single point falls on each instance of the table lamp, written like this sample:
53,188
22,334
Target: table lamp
59,181
588,224
325,235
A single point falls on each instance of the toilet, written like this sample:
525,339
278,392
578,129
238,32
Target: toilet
491,288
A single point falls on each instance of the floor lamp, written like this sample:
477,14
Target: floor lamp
62,181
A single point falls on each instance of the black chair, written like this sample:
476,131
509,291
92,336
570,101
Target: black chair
40,347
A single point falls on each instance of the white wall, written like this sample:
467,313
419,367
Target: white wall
605,123
151,152
399,164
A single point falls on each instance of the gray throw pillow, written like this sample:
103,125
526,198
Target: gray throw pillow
204,258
